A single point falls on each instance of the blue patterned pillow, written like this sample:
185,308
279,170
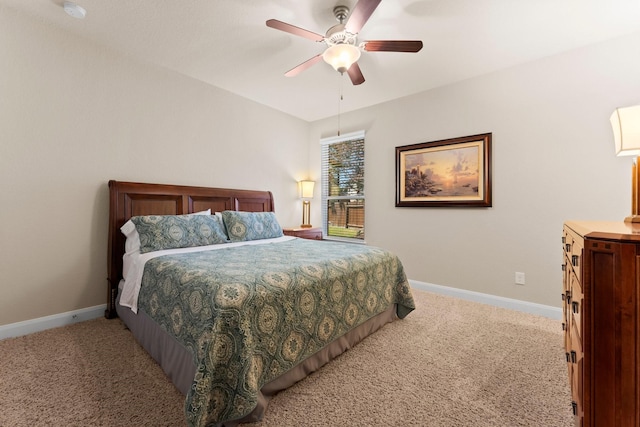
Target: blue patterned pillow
158,232
243,226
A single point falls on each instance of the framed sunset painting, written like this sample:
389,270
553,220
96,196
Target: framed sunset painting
450,172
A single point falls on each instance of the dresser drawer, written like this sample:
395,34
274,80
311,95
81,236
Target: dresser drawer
567,273
573,249
575,306
577,388
577,366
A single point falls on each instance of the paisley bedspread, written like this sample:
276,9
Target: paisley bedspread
248,314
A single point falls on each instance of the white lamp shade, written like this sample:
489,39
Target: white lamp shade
626,130
306,189
341,56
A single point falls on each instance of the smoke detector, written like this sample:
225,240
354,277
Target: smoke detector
74,10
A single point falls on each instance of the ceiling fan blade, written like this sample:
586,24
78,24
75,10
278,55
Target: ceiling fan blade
283,26
393,45
355,74
360,15
306,64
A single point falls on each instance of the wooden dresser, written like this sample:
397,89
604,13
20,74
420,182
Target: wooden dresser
600,318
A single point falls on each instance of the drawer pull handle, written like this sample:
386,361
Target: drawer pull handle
564,267
574,260
564,239
574,356
567,247
564,326
568,356
574,408
568,297
562,296
574,307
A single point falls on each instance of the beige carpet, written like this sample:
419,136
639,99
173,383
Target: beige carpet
449,363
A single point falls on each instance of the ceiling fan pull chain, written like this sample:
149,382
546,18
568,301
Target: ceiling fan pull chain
340,102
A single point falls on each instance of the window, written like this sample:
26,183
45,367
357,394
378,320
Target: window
343,187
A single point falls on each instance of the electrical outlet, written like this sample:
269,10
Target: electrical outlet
519,278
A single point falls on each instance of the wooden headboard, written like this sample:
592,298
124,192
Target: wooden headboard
127,199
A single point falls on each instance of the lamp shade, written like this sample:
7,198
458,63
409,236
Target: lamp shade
341,56
626,130
306,189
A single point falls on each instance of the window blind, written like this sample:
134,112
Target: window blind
343,201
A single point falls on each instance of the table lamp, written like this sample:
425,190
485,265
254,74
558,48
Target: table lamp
626,132
306,194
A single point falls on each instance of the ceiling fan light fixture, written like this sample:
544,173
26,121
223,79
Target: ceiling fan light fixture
341,56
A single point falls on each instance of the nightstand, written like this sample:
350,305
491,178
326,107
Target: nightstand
314,233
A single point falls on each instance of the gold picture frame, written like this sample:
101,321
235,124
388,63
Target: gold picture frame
450,172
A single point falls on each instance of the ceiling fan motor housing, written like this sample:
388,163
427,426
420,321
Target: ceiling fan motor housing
337,35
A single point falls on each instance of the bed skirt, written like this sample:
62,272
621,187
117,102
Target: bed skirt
177,361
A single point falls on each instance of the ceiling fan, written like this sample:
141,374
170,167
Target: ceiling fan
343,50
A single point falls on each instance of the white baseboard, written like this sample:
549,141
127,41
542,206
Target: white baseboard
56,320
513,304
62,319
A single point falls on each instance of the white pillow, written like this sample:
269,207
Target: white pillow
132,243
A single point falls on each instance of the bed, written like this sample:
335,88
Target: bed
233,322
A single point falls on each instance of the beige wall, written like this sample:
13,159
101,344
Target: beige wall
553,160
74,115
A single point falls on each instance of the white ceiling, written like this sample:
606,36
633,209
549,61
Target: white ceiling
226,43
